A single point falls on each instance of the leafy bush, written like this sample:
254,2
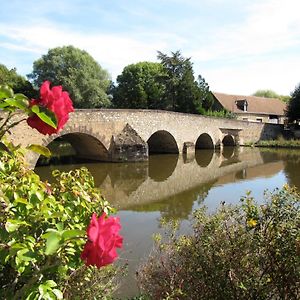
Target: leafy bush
42,231
240,252
217,113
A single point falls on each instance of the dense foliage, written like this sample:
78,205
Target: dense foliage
182,90
42,228
218,113
293,110
248,251
271,94
168,85
77,72
139,87
15,81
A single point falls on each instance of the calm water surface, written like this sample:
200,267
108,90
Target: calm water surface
172,186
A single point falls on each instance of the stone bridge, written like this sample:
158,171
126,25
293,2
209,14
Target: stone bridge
131,135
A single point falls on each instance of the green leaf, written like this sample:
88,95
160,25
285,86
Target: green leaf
69,234
26,255
45,115
50,283
4,105
57,293
53,242
32,296
60,226
6,92
39,149
19,103
21,97
13,225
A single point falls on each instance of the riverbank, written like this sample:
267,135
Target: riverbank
280,143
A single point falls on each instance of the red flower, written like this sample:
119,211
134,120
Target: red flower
56,100
104,238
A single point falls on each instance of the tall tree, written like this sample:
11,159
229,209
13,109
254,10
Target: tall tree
17,82
77,72
182,91
138,87
293,110
207,99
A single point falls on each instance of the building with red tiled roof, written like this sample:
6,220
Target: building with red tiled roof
252,108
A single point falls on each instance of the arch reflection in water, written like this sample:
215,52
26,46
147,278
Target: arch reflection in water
230,152
204,157
161,167
162,142
204,141
140,185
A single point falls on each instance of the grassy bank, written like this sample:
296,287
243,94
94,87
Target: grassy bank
279,143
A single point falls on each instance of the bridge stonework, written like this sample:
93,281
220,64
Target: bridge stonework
102,134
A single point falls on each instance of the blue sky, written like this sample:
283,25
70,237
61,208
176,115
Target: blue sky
237,46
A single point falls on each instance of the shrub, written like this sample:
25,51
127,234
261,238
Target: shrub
240,252
42,228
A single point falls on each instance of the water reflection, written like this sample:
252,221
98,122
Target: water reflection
178,206
161,172
204,157
172,186
291,160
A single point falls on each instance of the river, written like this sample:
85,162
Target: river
172,186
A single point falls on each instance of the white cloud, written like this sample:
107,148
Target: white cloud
268,26
246,50
112,51
248,78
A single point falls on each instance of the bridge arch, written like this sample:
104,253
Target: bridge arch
228,140
162,141
204,141
84,145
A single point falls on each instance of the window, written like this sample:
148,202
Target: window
259,120
242,104
274,119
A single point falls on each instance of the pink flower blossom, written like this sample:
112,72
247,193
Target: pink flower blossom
103,239
56,100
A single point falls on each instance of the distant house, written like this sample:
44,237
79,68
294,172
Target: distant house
251,108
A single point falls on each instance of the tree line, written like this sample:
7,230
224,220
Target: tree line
169,84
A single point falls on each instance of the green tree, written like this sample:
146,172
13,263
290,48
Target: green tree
207,98
17,82
138,87
182,91
77,72
271,94
293,110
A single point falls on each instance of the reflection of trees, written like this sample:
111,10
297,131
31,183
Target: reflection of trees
291,158
177,206
292,170
270,155
161,167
